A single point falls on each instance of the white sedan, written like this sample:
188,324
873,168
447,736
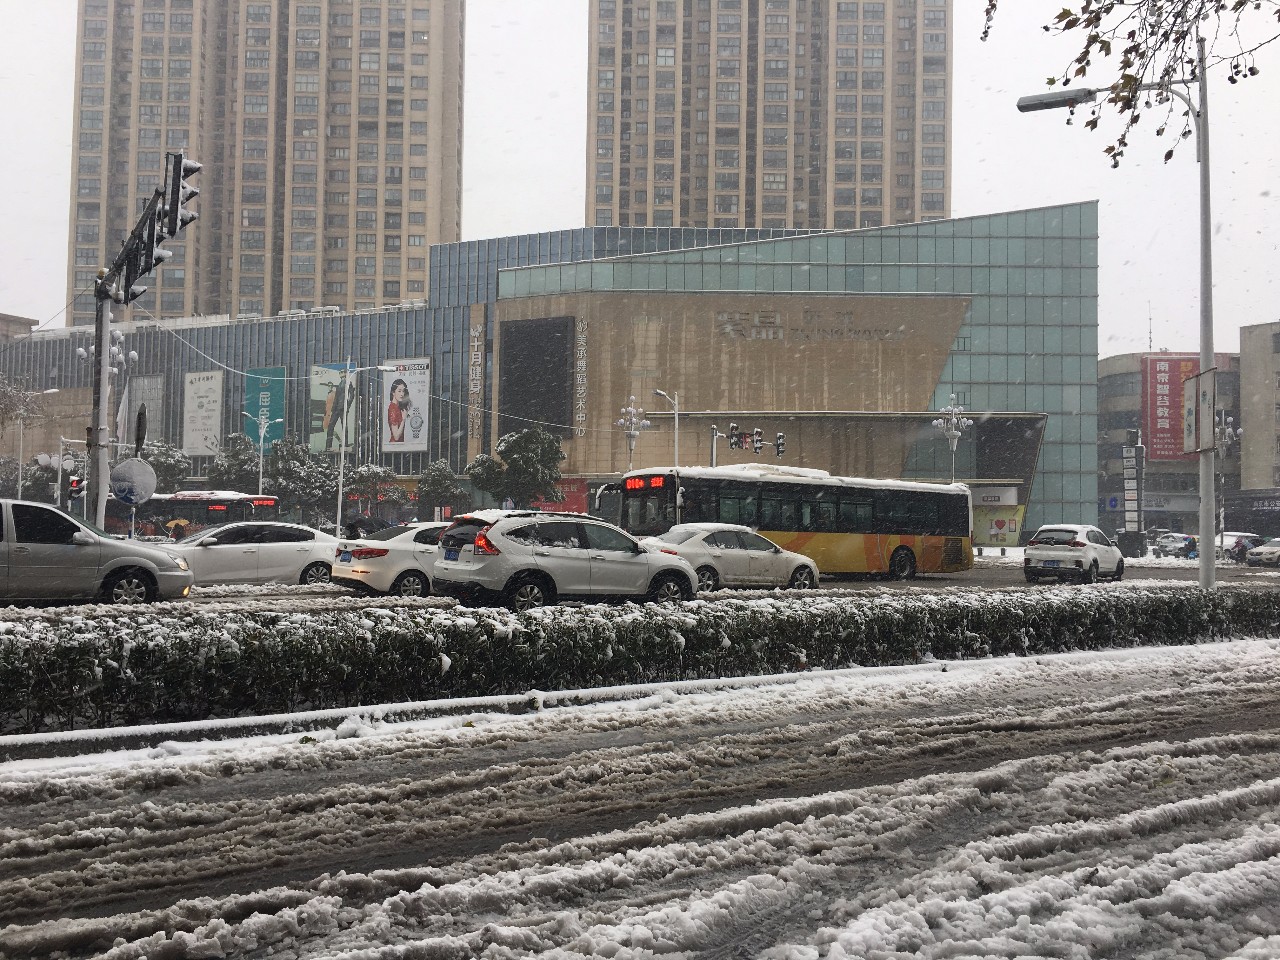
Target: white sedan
396,560
258,552
730,555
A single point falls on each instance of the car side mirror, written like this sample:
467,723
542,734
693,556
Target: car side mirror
776,548
82,539
209,542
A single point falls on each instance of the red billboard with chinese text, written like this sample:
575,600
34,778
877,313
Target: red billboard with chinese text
575,496
1162,414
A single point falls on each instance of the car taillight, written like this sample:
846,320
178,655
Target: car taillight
665,550
1077,543
484,546
1034,542
368,553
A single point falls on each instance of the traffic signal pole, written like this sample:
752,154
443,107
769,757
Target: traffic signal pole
163,217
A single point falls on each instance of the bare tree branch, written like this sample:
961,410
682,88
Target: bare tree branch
1154,42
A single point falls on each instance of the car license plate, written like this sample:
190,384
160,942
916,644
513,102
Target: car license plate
1051,563
345,557
451,553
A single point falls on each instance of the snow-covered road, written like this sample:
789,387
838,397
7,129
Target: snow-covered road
1100,805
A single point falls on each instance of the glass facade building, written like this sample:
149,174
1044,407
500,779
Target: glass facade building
1020,289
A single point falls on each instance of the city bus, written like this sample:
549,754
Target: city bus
180,514
847,525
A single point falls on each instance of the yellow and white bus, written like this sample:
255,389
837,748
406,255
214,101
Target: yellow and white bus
845,524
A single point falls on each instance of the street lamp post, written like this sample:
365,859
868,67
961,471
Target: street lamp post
263,425
674,399
342,443
1224,436
952,425
1200,117
632,422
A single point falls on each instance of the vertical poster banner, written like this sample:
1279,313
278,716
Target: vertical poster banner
1165,419
264,400
405,392
202,414
333,407
148,389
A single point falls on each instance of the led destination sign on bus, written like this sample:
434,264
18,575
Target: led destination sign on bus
639,483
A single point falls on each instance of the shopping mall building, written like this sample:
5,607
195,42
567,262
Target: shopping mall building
848,343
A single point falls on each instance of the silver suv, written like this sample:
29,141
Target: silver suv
523,559
46,554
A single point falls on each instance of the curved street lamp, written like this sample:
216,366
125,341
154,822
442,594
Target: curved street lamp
674,399
1070,99
952,425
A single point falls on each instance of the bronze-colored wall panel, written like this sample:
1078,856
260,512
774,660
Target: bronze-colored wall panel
729,353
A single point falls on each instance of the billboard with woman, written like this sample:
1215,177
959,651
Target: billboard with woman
404,404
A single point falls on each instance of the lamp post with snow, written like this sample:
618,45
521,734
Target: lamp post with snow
264,425
632,422
952,425
1070,99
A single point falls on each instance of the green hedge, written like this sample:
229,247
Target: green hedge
102,667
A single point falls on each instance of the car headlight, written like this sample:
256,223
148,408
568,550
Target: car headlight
180,561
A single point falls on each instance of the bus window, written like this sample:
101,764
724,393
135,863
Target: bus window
777,513
820,515
854,516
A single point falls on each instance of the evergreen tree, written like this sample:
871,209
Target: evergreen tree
171,465
236,465
304,482
438,487
526,469
375,485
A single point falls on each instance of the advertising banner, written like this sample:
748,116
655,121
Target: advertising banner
403,404
202,414
1163,413
264,400
333,407
148,389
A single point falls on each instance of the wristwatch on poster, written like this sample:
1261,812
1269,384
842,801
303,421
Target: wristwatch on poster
415,422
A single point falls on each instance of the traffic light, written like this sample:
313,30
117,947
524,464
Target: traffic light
178,192
781,444
757,439
150,252
76,490
735,438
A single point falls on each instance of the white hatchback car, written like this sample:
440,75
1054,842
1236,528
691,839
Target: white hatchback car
395,560
731,555
256,551
525,558
1071,551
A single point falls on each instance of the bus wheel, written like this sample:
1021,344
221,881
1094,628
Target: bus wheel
902,565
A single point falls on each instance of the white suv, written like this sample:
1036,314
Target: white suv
1071,551
525,558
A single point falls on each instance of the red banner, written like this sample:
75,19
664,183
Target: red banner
1162,376
575,496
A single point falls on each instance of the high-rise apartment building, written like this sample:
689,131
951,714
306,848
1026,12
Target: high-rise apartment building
812,114
331,137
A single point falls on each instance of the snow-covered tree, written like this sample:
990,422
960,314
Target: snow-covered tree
373,484
302,480
526,469
438,487
171,465
236,465
1155,41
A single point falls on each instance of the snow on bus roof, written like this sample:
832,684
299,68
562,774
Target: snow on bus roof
781,473
217,495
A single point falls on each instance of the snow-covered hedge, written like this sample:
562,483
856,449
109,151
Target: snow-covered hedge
107,666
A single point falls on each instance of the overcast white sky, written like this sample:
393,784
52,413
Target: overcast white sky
526,85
